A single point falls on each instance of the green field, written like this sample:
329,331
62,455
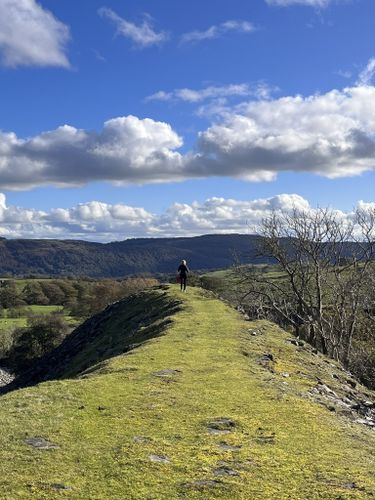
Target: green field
22,282
146,425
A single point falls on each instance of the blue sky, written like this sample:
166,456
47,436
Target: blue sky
122,119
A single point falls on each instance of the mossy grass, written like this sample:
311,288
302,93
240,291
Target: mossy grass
160,399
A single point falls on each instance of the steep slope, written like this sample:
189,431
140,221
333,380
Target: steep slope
216,408
156,255
121,327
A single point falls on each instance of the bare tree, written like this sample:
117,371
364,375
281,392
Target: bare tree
324,275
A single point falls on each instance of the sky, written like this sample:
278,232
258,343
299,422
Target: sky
123,119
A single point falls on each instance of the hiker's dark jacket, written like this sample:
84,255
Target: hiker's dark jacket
183,270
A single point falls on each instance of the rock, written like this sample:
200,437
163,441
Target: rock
324,389
365,421
166,373
292,341
352,383
141,439
221,425
59,487
348,402
368,404
218,431
159,458
5,377
225,471
285,374
229,447
203,483
267,357
249,461
265,437
349,486
41,443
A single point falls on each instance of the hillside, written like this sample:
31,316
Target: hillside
202,405
134,256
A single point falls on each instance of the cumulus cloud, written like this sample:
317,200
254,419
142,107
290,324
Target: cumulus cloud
126,150
142,35
212,92
217,31
329,134
98,221
31,36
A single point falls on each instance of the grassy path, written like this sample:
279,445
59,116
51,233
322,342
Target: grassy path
139,426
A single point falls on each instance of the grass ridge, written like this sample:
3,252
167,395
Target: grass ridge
144,424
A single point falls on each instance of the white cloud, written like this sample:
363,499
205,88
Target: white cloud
142,35
31,35
309,3
216,31
366,75
211,92
98,221
328,134
344,73
126,150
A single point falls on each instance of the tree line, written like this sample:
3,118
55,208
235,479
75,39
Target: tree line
324,289
80,298
43,332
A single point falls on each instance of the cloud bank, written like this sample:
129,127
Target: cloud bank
31,35
98,221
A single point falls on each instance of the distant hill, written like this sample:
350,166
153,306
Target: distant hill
133,256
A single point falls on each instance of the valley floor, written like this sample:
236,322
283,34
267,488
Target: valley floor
217,408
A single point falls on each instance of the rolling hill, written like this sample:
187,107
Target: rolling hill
118,259
171,395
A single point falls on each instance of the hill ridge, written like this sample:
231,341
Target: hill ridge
217,407
118,259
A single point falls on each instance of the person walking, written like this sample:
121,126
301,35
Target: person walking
183,271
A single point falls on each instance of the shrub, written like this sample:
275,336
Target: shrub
42,334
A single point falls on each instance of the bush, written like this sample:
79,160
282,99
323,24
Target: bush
42,334
16,312
362,362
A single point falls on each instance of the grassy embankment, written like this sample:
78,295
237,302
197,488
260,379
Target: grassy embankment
112,423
